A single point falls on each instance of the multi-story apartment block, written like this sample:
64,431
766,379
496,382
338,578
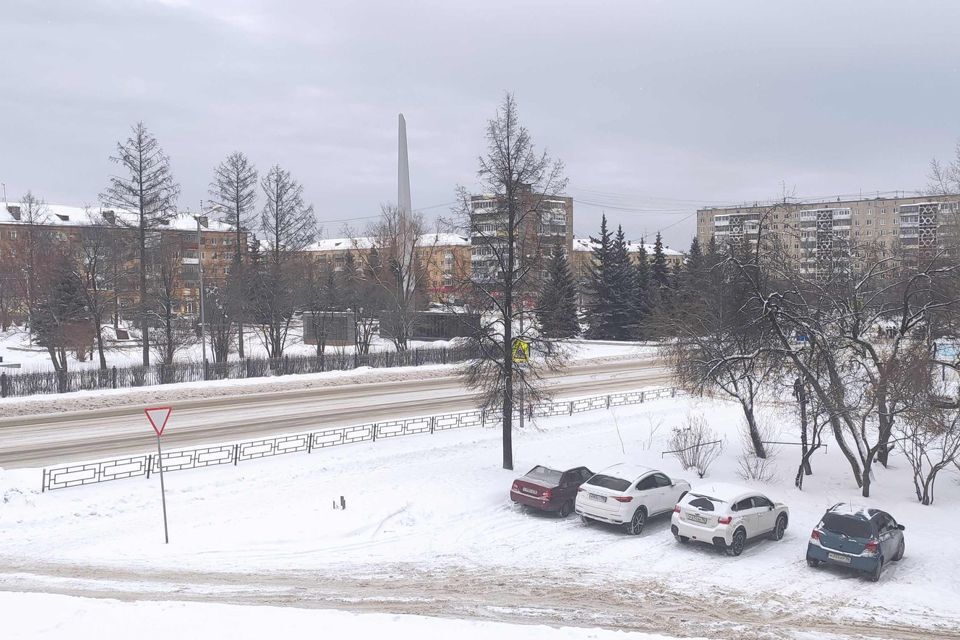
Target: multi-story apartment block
550,223
443,257
820,236
60,230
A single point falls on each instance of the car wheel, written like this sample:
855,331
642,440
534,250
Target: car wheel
585,520
735,548
635,526
682,539
813,562
900,550
565,509
781,526
875,574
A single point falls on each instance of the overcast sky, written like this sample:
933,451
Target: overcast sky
655,108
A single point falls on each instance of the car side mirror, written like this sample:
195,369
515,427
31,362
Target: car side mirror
769,507
901,527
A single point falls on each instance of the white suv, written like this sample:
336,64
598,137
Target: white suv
726,516
627,495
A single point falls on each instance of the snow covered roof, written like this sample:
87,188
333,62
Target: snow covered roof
723,491
426,240
585,244
626,471
71,216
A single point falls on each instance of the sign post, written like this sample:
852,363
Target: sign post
158,417
521,355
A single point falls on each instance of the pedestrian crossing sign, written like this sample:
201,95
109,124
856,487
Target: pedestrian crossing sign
521,350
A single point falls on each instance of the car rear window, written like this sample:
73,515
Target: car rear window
544,474
846,525
703,503
609,482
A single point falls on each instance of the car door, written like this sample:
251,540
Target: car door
567,489
665,493
766,516
744,511
887,532
647,493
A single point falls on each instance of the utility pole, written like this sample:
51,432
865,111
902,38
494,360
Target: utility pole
203,319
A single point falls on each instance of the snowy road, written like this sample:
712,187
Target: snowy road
76,434
555,598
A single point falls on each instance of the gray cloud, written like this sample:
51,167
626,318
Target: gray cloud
655,107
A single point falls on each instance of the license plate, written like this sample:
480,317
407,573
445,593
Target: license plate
532,492
594,496
836,557
696,517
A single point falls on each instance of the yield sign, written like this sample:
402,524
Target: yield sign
158,417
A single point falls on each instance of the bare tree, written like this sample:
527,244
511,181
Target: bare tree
34,247
234,193
146,189
944,179
166,284
97,266
929,437
288,226
507,240
396,267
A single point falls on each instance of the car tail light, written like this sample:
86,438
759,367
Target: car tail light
515,487
579,489
725,520
676,508
546,495
815,535
623,498
872,548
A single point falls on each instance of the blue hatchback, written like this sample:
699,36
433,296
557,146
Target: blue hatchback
856,538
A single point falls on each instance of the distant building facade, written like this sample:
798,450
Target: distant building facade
581,260
820,236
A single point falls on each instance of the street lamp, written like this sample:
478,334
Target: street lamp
202,222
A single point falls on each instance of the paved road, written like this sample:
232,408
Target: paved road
27,441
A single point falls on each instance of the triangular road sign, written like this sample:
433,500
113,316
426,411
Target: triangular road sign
158,417
521,350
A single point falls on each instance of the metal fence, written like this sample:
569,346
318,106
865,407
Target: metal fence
79,474
30,383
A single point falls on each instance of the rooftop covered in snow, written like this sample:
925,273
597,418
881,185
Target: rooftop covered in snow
15,213
586,244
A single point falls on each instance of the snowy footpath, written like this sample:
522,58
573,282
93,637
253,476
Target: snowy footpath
429,532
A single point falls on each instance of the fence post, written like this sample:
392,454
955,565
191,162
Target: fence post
641,396
236,454
286,365
43,484
608,402
374,431
571,407
433,422
483,417
673,392
310,443
3,385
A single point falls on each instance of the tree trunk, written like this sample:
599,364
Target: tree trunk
144,322
801,394
103,357
756,439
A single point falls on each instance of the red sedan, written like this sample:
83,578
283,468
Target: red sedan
548,489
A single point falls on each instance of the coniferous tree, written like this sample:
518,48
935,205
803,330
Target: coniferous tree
642,291
600,285
623,290
659,273
557,308
149,191
60,316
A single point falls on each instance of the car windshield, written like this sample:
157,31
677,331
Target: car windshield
703,503
846,525
609,482
543,474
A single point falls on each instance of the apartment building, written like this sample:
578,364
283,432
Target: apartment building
820,236
551,223
443,257
60,229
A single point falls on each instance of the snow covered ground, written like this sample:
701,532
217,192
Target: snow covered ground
429,530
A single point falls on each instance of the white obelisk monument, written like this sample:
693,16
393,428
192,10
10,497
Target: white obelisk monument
404,211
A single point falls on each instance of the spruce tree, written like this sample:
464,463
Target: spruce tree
623,316
641,291
600,285
659,272
557,308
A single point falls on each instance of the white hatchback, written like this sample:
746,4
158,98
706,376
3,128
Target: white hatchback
627,495
726,516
